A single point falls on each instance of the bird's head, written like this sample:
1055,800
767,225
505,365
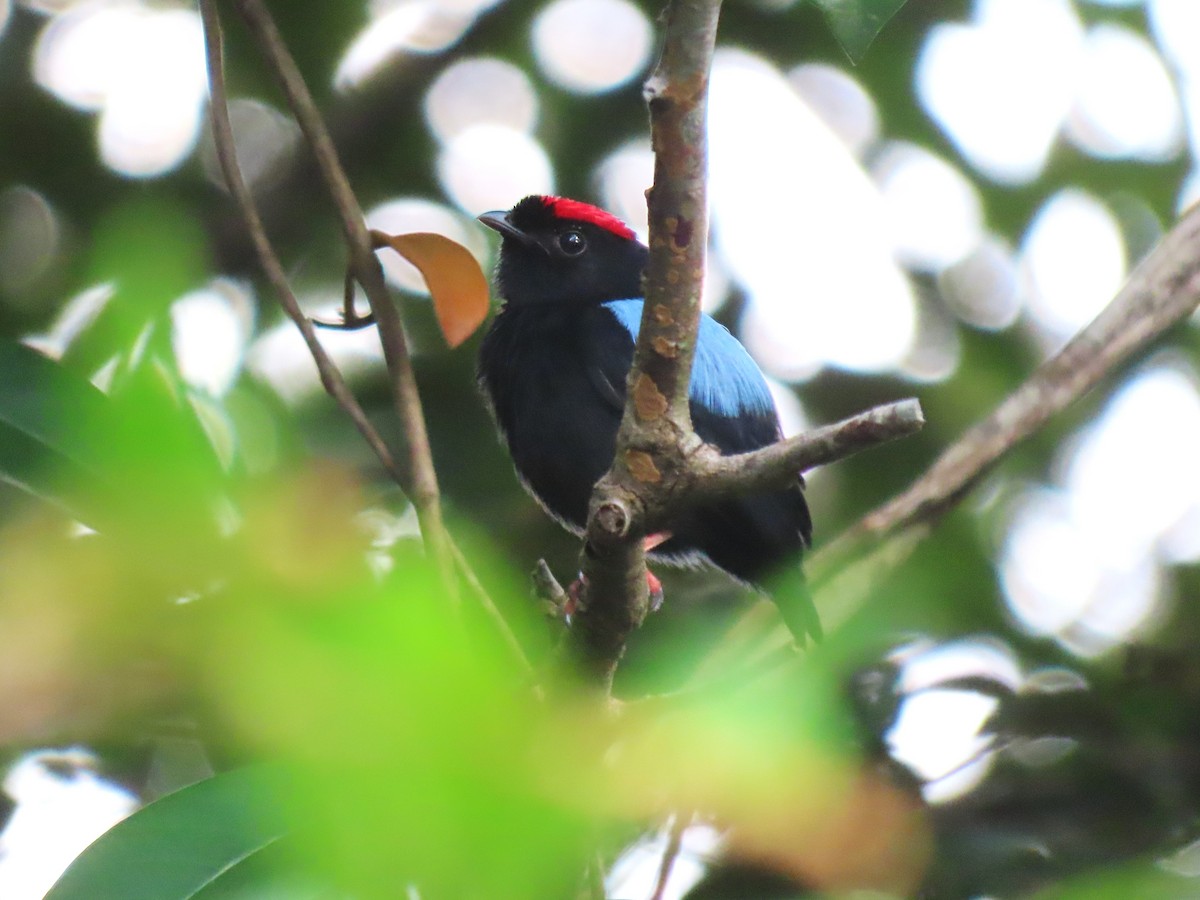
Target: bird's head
556,250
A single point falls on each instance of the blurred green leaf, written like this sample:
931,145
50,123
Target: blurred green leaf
178,845
152,251
47,402
855,23
410,745
43,408
1145,881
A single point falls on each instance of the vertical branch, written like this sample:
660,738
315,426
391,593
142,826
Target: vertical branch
656,434
677,95
423,487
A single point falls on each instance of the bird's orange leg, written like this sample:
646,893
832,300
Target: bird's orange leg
653,585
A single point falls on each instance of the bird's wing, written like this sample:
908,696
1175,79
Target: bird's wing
731,404
736,411
732,409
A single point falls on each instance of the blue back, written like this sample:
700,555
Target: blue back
725,380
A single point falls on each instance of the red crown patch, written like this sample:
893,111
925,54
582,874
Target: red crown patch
565,208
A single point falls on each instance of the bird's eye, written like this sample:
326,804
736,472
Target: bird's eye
571,243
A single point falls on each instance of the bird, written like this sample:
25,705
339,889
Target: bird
552,368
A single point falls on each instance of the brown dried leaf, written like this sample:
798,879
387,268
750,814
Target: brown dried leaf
457,284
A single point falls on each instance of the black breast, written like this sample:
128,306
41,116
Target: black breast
554,378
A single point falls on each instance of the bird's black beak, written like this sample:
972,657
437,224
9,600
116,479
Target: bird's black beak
497,220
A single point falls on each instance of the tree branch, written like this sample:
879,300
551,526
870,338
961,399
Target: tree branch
331,376
423,486
777,465
660,465
656,427
1161,292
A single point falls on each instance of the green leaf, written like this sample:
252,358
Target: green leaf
855,23
44,411
151,249
179,845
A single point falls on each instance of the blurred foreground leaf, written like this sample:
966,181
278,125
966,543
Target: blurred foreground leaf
1145,881
42,408
855,23
151,249
178,845
410,741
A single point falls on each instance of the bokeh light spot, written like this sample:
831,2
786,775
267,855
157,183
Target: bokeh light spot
30,237
1001,114
77,55
1189,193
623,178
1126,106
479,90
975,658
1074,257
62,805
934,212
589,46
1145,441
210,328
635,873
265,138
141,68
1082,562
404,26
492,167
1175,25
983,288
806,242
73,320
841,101
1060,584
280,358
937,735
936,346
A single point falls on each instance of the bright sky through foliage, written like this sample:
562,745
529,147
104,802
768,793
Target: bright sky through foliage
799,225
1068,572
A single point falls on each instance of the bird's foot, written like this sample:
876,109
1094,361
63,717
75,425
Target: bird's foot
575,591
649,542
656,591
577,588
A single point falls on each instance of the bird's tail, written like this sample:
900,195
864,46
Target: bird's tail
793,598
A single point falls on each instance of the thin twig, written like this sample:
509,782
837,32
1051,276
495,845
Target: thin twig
670,853
549,592
778,464
489,607
331,376
423,486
